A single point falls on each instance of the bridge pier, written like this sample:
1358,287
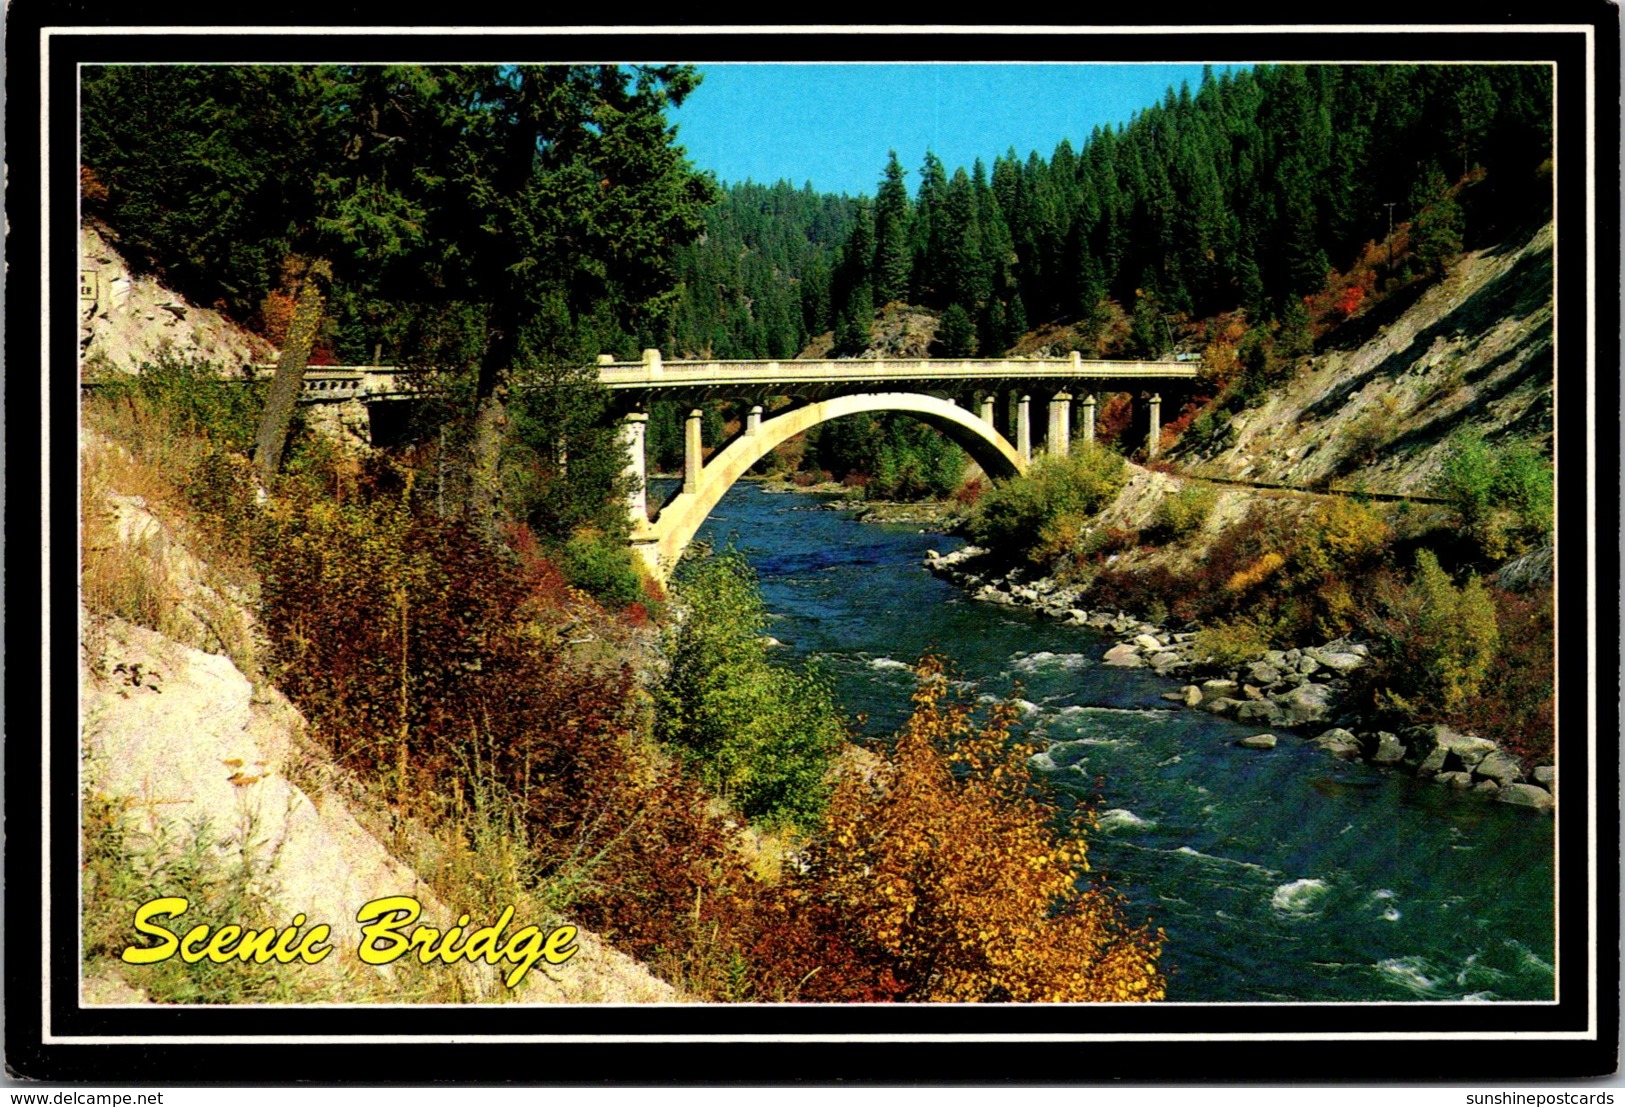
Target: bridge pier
693,459
987,403
1060,429
1087,418
1024,427
634,429
1153,437
753,420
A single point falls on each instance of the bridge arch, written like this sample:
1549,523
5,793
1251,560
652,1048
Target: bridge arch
660,543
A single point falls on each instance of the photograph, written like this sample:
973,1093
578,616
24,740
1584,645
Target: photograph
970,542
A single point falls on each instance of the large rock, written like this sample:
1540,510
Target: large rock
1546,777
1307,703
1192,695
1440,747
1339,743
1213,689
1224,705
1527,795
1259,711
1258,742
1387,749
1340,663
1124,656
1307,665
1500,768
1263,675
1164,661
1458,780
1148,643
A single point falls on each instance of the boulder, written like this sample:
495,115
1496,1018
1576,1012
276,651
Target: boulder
1307,665
1124,656
1469,749
1174,697
1212,689
1277,658
1307,703
1433,762
1251,692
1500,768
1291,657
1100,619
1148,643
1527,795
1259,711
1258,742
1263,674
1341,663
1387,749
1339,743
1458,780
1546,777
1224,705
1163,661
1192,695
1487,787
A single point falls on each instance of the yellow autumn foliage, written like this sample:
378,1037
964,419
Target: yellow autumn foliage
953,866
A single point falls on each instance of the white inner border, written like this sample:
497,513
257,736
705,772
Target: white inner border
47,492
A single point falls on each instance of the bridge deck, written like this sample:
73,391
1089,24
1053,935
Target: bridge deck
655,374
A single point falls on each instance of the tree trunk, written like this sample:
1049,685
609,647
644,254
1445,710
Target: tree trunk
290,375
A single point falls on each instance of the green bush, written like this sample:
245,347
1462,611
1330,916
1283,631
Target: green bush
1181,514
1041,514
1442,642
599,564
178,397
760,734
1503,500
1232,642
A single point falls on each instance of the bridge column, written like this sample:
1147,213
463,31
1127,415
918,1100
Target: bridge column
1087,418
1153,437
753,420
987,409
692,458
1060,420
1024,427
634,427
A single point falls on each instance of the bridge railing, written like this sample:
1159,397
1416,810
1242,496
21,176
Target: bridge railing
656,373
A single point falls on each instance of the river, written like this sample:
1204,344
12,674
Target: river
1279,875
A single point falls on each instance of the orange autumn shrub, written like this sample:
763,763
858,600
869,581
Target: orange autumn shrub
963,877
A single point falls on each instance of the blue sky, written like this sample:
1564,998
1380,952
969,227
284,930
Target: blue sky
833,124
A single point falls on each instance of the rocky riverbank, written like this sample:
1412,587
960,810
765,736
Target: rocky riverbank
1301,689
943,515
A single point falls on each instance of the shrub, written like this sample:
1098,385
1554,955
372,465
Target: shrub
1182,513
603,566
1504,500
1033,515
1231,643
760,734
1441,641
956,870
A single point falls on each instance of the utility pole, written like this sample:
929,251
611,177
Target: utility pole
1390,206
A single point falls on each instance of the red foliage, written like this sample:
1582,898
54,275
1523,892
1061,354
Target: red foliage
276,315
1114,418
1517,708
968,493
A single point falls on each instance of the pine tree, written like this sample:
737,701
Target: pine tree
892,257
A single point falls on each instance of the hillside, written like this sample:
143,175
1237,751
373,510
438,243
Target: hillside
197,770
1376,408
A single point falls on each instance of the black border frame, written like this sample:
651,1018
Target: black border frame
966,1044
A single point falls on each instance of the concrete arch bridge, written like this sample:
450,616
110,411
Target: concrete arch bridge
985,406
